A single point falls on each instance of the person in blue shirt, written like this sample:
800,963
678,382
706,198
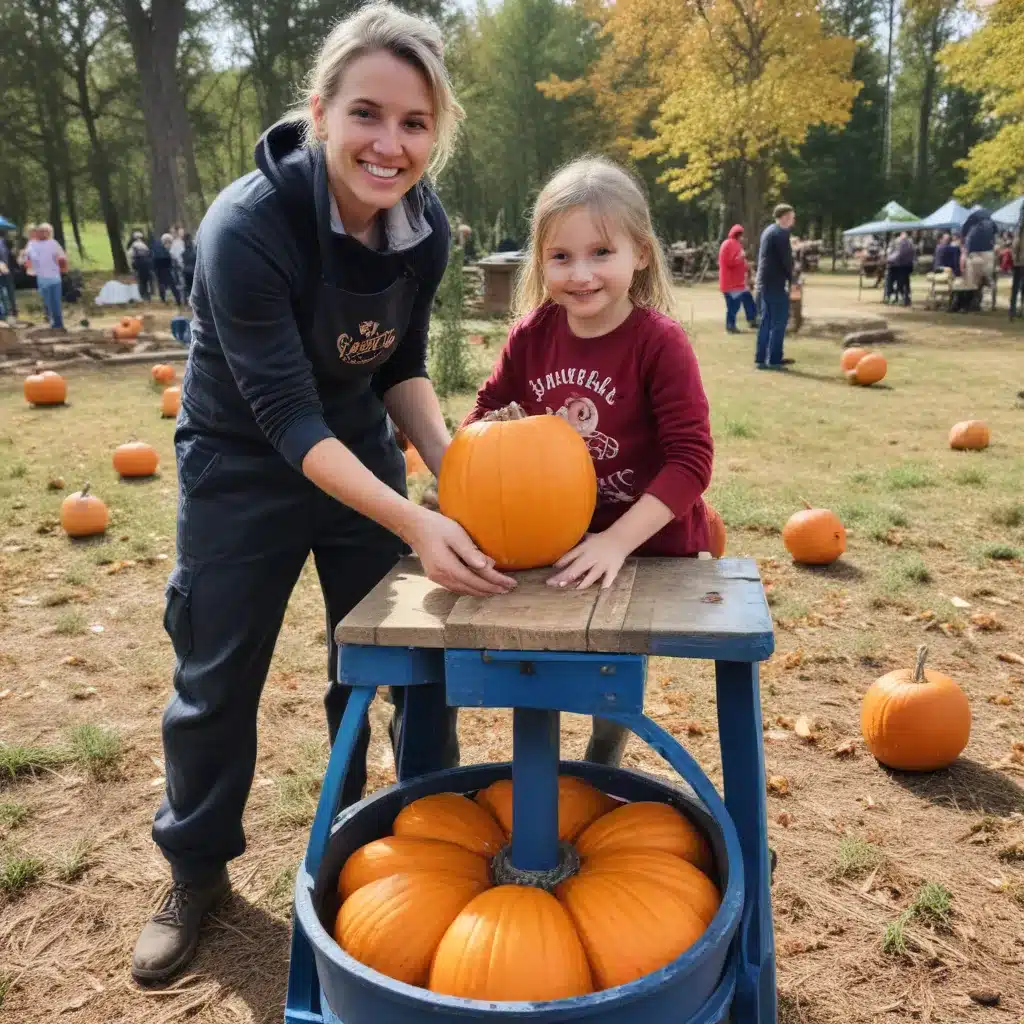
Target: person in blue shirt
774,273
314,281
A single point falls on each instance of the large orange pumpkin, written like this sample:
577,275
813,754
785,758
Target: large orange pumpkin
83,514
814,536
136,458
579,804
524,490
869,369
716,532
851,357
413,905
46,388
971,434
163,373
512,942
170,402
916,719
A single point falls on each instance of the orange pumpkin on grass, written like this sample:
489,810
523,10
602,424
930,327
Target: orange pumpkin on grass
46,388
851,357
170,401
163,373
916,719
423,907
869,369
814,536
716,532
524,489
83,514
969,435
135,459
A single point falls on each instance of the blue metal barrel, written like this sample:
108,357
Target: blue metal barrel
694,989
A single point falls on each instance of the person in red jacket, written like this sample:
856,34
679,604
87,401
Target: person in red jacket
596,346
732,280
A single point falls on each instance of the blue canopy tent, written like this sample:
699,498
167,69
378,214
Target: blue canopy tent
892,217
7,224
948,217
1007,216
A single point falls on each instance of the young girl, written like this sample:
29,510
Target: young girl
595,345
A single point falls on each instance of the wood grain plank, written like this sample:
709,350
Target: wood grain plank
533,617
404,609
610,610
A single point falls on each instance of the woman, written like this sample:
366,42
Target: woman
45,258
313,286
140,260
163,268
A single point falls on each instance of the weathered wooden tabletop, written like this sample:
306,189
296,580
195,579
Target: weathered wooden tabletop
685,607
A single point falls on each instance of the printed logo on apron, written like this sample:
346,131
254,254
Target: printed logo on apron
371,343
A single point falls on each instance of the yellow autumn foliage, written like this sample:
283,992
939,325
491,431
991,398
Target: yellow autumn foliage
991,62
715,80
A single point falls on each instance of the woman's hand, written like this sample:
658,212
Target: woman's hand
597,556
451,559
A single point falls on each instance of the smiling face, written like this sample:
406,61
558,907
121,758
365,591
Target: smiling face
378,131
589,263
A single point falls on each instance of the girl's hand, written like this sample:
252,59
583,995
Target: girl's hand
597,556
451,559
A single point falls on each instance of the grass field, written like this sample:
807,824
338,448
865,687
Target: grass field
895,896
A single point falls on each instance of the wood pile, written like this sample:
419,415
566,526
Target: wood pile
25,350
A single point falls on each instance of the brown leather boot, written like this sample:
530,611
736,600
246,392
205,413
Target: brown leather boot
169,940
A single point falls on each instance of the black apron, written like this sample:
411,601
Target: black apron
353,334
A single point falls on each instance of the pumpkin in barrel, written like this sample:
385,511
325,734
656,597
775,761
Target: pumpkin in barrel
430,905
523,487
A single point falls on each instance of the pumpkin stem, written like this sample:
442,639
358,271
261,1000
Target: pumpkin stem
922,654
85,489
807,504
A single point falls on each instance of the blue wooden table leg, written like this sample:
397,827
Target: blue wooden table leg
740,735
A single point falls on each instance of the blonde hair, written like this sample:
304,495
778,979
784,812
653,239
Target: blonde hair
381,26
611,193
45,227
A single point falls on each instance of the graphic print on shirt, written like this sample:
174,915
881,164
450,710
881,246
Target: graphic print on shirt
368,346
580,412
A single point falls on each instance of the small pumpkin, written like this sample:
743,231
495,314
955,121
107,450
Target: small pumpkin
170,401
452,818
915,720
394,924
513,942
414,462
399,855
869,369
716,532
46,388
524,489
814,536
83,514
128,329
971,434
850,357
646,825
136,458
163,373
579,803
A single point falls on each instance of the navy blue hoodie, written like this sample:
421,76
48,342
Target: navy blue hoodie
250,380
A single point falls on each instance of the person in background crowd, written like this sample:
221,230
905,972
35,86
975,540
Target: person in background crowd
733,272
8,296
1017,254
188,265
140,260
978,260
177,249
47,260
774,272
902,254
947,254
163,267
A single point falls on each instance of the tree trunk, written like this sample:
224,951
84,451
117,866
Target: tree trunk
924,119
69,195
154,37
99,167
755,184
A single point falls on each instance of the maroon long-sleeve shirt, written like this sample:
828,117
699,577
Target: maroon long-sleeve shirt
636,397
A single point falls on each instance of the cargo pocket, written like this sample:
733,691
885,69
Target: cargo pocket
178,611
195,463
